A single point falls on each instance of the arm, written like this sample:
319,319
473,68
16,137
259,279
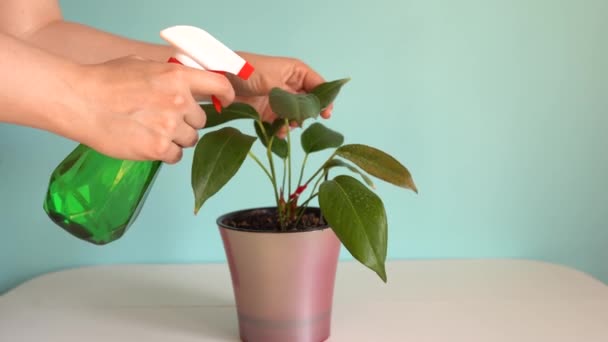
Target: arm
127,108
40,23
88,45
25,100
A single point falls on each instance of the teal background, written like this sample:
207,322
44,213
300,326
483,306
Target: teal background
498,108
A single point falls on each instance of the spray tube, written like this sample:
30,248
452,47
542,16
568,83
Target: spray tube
96,198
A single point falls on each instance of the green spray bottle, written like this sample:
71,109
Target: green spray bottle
95,197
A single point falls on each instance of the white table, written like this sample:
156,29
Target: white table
447,300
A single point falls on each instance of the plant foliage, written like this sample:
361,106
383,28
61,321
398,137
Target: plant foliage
350,207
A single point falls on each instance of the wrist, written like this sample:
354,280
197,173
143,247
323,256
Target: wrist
70,116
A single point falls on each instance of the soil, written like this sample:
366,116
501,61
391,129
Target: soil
267,220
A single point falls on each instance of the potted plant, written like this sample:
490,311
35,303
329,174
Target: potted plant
283,258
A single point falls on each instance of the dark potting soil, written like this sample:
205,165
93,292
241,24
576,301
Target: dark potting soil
268,220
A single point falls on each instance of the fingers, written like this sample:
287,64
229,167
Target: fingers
160,147
185,135
172,132
326,113
310,81
184,131
172,154
203,84
195,116
311,78
170,149
282,132
146,110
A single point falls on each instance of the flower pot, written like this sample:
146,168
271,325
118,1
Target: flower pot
283,282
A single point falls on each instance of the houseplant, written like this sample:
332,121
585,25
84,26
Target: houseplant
283,258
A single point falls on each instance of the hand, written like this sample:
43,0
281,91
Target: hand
144,110
286,73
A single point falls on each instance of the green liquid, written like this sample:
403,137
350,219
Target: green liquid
95,197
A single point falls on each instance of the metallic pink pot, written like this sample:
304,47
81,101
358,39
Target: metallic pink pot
283,282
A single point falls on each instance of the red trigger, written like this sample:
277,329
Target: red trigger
216,102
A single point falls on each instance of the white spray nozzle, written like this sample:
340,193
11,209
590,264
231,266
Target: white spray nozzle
198,49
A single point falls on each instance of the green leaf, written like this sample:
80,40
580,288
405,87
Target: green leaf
378,164
317,137
295,107
340,163
358,218
217,157
235,111
328,91
279,146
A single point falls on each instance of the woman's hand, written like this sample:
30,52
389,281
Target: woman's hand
289,74
144,110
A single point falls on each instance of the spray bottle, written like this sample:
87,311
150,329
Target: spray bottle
95,197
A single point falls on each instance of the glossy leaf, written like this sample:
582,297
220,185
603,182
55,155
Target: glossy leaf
217,157
235,111
328,91
378,164
279,146
340,163
358,218
317,137
295,107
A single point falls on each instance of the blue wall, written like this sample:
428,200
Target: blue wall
499,109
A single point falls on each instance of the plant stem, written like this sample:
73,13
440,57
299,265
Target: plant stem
261,125
326,177
273,176
289,167
261,165
302,169
272,171
314,194
305,203
320,168
314,188
304,206
288,154
284,176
